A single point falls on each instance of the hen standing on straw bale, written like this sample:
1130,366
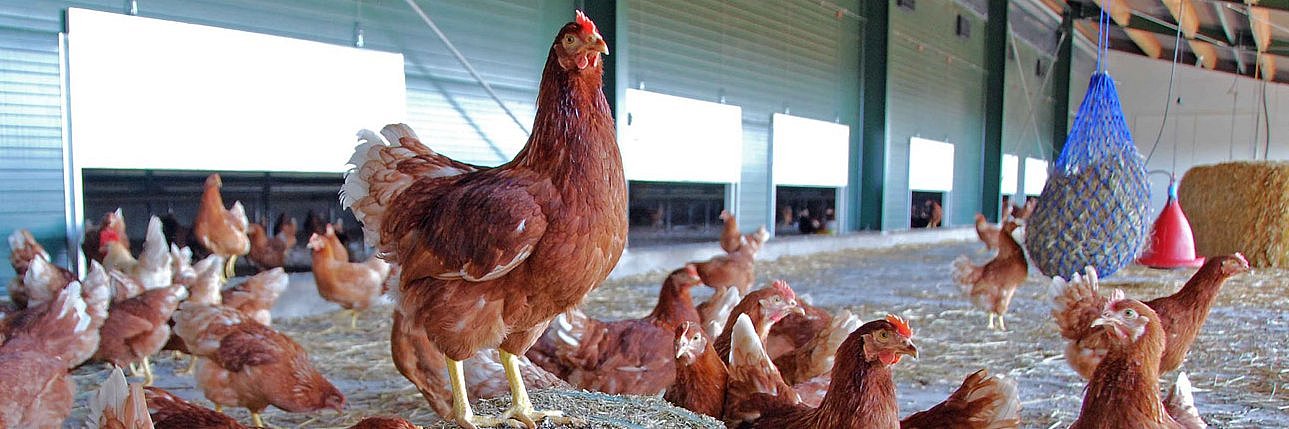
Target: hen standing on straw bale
490,255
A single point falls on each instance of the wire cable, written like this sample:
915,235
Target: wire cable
1168,101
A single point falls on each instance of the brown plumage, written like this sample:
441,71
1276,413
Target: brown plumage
751,374
814,358
700,374
77,346
255,296
732,275
355,286
988,233
731,239
138,327
1075,304
384,423
221,231
631,356
38,391
490,255
862,392
23,248
172,412
119,405
112,220
267,251
40,282
765,307
252,366
992,285
1124,389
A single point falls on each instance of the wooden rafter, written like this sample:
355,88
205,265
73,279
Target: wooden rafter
1267,66
1121,14
1187,18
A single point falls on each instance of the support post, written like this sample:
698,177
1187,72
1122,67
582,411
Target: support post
869,150
995,88
1061,85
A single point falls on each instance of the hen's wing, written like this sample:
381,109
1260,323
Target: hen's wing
118,404
816,356
1075,305
251,344
1180,404
982,402
716,310
751,372
172,412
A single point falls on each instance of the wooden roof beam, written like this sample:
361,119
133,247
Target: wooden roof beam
1231,37
1185,15
1121,14
1267,66
1260,24
1205,52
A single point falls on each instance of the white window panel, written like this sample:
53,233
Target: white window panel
1011,174
676,139
150,93
1035,176
930,165
809,152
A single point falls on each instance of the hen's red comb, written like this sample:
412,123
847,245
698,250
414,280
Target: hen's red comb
901,326
587,25
783,289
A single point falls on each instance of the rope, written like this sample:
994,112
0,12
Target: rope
466,63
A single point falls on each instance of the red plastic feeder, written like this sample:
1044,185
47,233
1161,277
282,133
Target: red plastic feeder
1172,245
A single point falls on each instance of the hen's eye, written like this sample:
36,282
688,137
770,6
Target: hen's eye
695,338
1130,313
884,335
569,39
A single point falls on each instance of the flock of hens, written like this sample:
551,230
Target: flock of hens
489,265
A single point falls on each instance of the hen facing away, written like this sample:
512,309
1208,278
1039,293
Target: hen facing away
992,285
1076,303
490,255
630,356
38,390
862,393
78,346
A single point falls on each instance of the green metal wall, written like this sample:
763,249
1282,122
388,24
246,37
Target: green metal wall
935,91
766,57
1029,106
506,40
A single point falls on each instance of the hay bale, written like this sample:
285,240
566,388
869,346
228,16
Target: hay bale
1240,207
602,411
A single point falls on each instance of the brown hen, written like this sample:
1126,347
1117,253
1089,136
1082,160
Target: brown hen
38,391
139,327
992,285
355,286
490,255
700,374
221,231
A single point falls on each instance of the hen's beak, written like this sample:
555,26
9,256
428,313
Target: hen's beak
600,46
909,349
1107,319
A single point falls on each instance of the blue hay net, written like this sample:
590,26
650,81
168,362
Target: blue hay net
1094,208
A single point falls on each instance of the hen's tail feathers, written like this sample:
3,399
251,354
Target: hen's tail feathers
205,289
38,281
716,311
119,405
983,401
382,166
1076,303
21,240
964,273
202,326
750,364
154,259
1180,404
61,324
239,212
823,348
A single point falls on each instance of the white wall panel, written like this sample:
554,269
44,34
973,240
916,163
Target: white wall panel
810,152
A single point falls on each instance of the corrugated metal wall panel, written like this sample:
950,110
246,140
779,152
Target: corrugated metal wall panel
766,57
506,41
31,179
935,91
1027,120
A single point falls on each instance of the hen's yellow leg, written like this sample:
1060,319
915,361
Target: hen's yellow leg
147,372
461,410
228,266
521,408
353,319
257,421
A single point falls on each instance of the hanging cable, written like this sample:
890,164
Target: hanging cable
1266,124
466,63
1168,101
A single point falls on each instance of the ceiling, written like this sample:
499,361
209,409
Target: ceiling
1250,37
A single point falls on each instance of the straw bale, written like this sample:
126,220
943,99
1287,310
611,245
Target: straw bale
1240,206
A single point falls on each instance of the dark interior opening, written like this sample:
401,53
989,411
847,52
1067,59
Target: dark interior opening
923,206
668,212
803,210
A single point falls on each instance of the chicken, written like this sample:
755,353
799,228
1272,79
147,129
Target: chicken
384,423
38,391
815,358
78,348
119,405
245,364
1124,389
179,234
338,248
138,327
988,233
700,374
269,252
735,271
355,286
221,231
992,285
765,307
797,329
751,373
255,296
1077,302
182,272
631,356
153,268
40,283
113,220
204,290
1180,404
490,255
172,412
23,248
731,239
862,393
